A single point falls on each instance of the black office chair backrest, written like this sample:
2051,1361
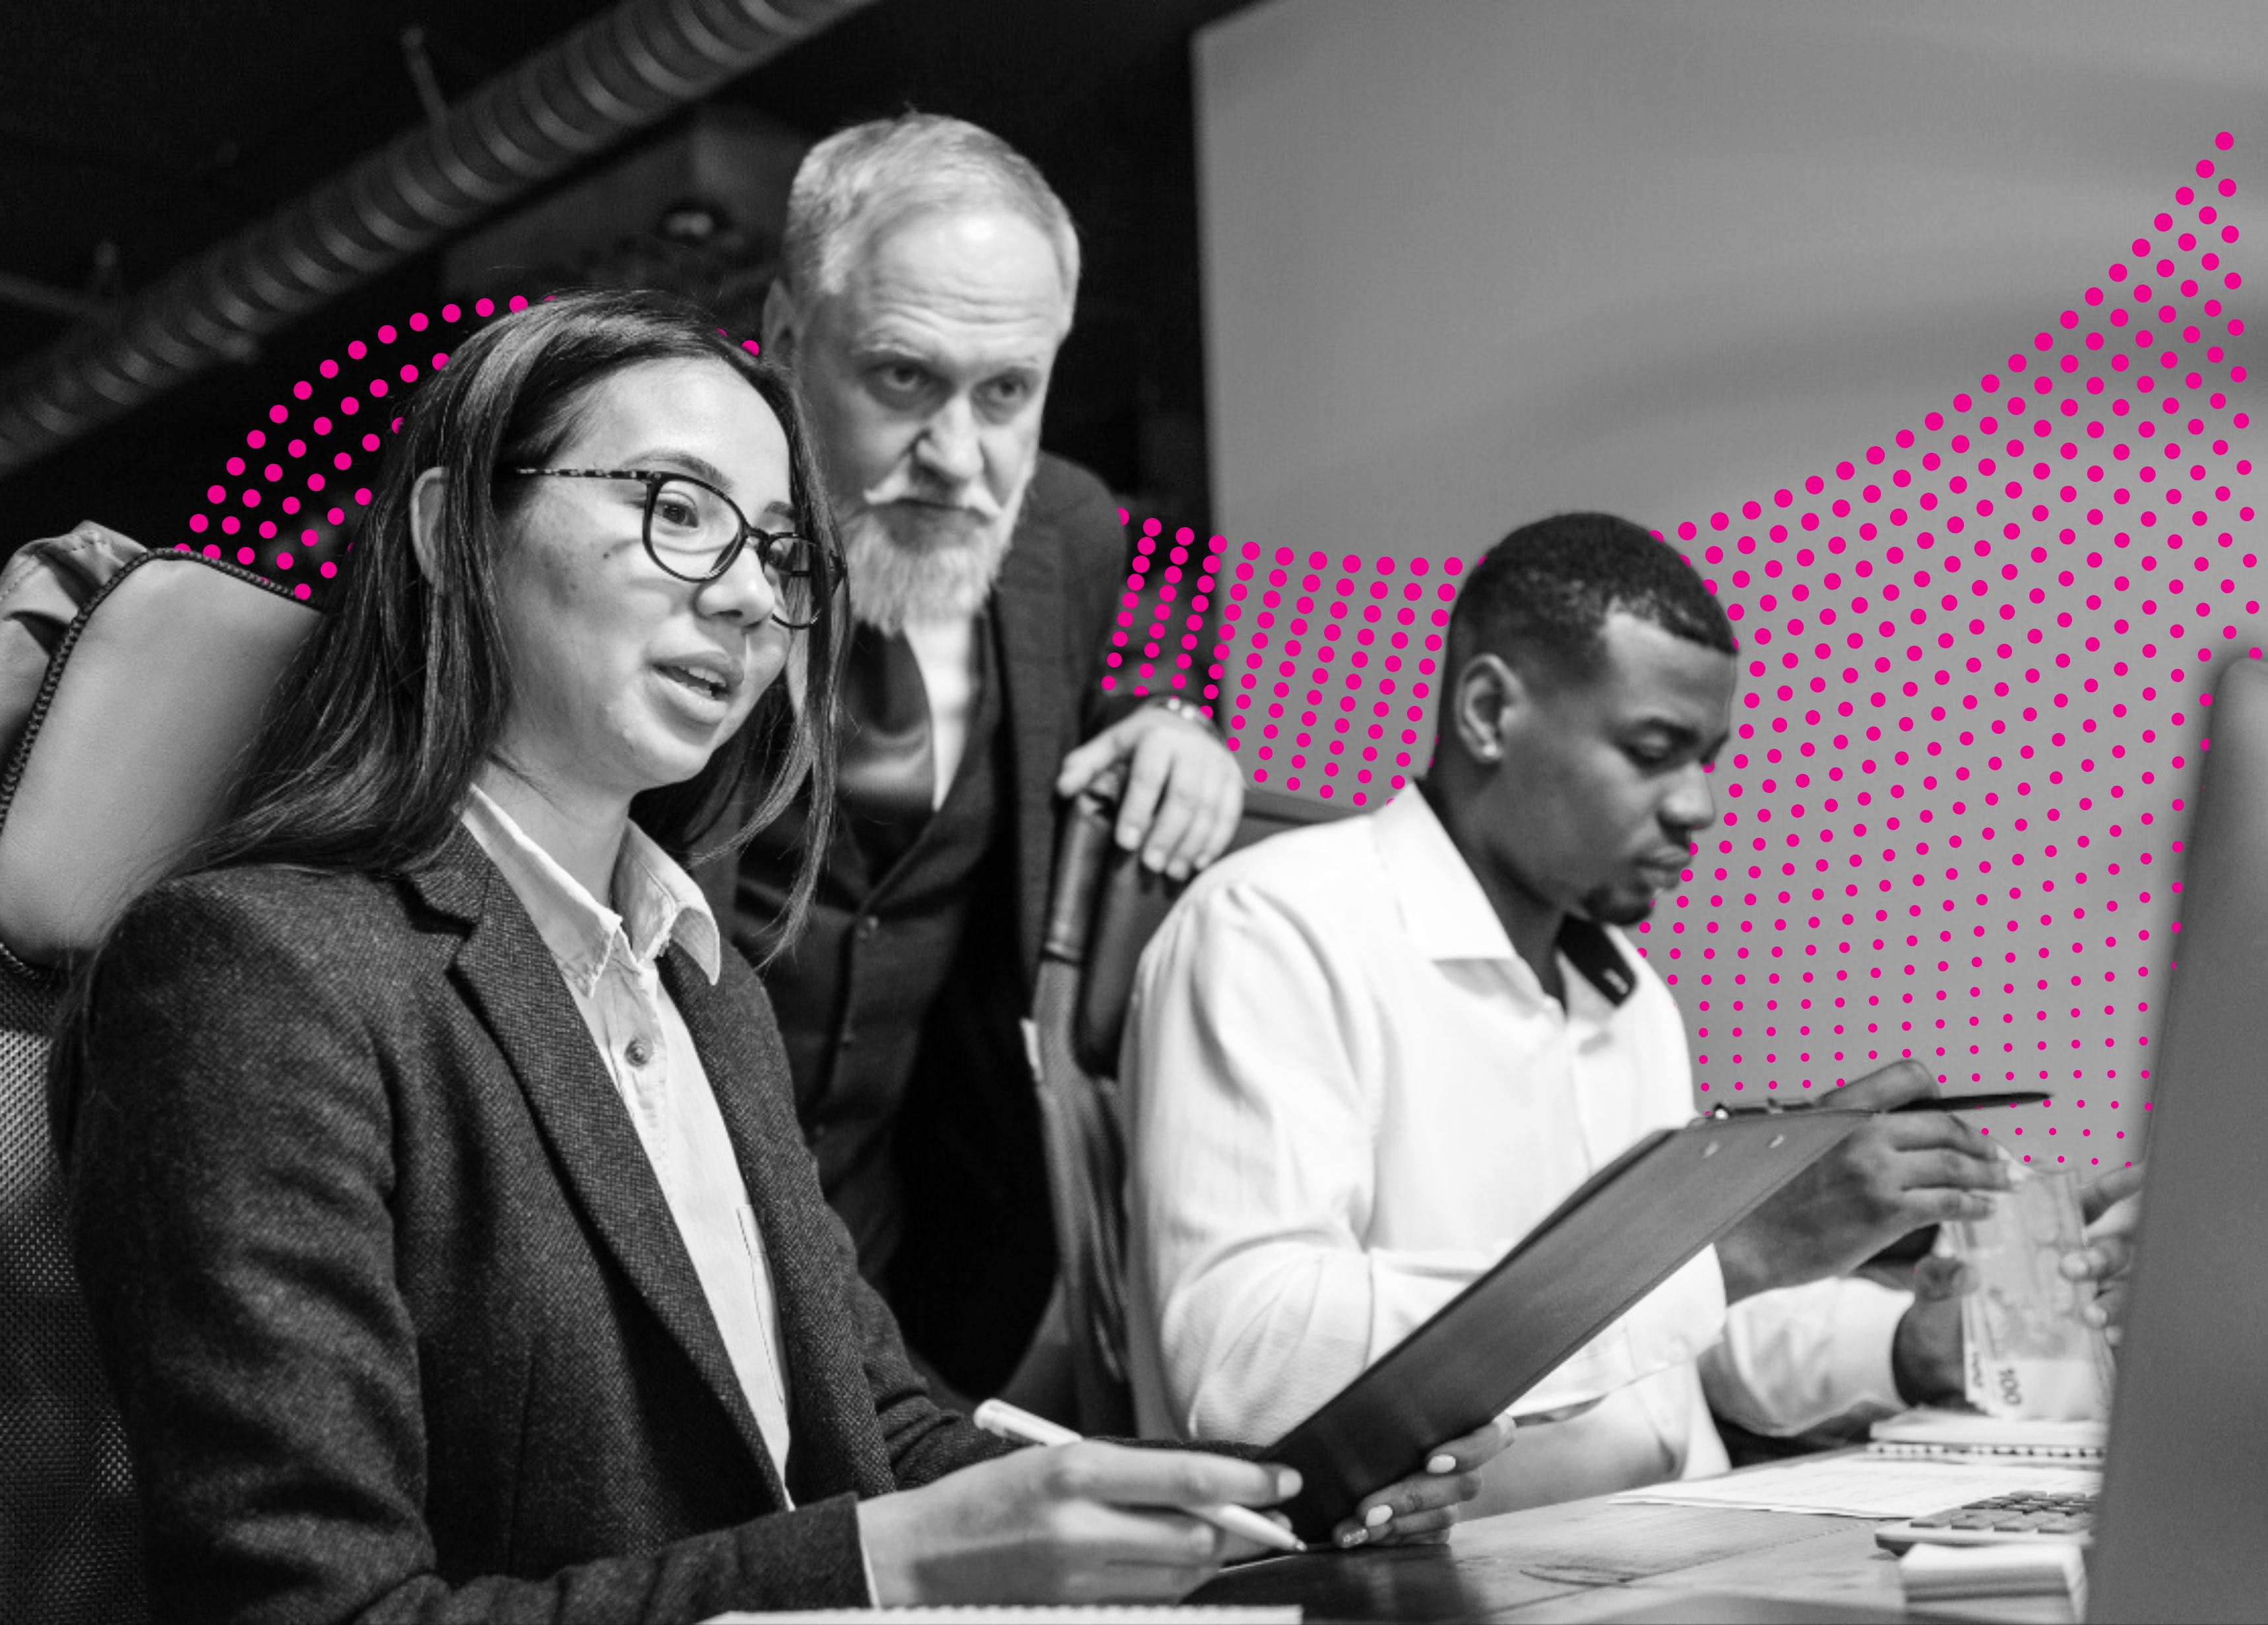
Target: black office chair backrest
1103,909
1107,906
129,683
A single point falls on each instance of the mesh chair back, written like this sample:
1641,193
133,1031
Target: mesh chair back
152,673
1103,909
70,1547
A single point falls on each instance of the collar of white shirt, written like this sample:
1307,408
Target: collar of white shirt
1449,917
660,902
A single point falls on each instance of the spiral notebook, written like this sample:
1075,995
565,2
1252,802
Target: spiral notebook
1969,1435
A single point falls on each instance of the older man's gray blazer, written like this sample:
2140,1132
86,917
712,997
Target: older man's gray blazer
394,1310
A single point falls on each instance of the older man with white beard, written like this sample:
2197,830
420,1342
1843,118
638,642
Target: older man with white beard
929,274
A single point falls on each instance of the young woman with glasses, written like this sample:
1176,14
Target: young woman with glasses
435,1181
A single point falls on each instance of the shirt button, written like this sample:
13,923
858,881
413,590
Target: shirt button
846,1040
868,925
638,1051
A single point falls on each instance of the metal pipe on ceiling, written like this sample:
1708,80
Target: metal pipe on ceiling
621,72
45,298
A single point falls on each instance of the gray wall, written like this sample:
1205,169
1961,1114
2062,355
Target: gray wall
1469,263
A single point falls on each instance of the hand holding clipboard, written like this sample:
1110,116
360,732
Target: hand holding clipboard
1912,1165
1623,1232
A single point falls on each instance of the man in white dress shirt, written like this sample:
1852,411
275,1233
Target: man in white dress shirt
1367,1057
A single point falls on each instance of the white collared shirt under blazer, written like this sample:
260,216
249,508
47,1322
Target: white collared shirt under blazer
1350,1096
609,961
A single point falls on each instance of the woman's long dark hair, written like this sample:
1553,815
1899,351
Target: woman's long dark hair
397,699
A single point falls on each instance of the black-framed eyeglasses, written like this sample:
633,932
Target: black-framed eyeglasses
695,532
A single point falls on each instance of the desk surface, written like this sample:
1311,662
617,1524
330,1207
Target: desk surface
1593,1561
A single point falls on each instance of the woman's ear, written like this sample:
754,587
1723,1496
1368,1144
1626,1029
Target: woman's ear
427,499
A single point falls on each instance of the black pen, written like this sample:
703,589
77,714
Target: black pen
1931,1103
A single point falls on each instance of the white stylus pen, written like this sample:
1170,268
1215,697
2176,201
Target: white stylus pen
997,1416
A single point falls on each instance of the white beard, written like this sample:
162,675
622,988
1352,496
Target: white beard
941,576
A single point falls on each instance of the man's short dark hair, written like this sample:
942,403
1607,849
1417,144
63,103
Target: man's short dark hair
1545,591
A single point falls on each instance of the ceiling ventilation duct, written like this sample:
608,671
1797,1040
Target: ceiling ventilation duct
699,212
619,73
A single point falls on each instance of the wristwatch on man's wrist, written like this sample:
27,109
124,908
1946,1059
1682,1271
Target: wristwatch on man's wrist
1188,708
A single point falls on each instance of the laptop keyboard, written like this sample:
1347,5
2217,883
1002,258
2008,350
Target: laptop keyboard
2021,1514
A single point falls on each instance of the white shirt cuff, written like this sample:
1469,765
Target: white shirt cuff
1797,1358
867,1563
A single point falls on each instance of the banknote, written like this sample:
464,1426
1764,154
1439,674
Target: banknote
2029,1354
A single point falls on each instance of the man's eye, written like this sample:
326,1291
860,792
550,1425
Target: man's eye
1645,756
1010,391
901,378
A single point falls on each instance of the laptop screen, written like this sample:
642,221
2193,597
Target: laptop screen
2183,1534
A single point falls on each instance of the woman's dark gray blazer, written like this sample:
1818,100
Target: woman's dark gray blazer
397,1316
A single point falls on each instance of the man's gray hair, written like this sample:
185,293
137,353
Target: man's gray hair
861,180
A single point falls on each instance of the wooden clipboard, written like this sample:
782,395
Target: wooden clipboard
1625,1230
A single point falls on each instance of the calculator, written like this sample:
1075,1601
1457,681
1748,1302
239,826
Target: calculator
1998,1520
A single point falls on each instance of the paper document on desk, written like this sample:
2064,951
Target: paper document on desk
1867,1486
2028,1353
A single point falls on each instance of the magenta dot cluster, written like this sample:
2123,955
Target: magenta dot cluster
1975,656
1335,666
279,508
1159,644
304,462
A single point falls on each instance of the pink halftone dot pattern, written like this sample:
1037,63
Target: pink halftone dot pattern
1975,655
1979,648
1337,663
304,464
1162,645
317,446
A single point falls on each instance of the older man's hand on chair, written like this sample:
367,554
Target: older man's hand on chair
1183,793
